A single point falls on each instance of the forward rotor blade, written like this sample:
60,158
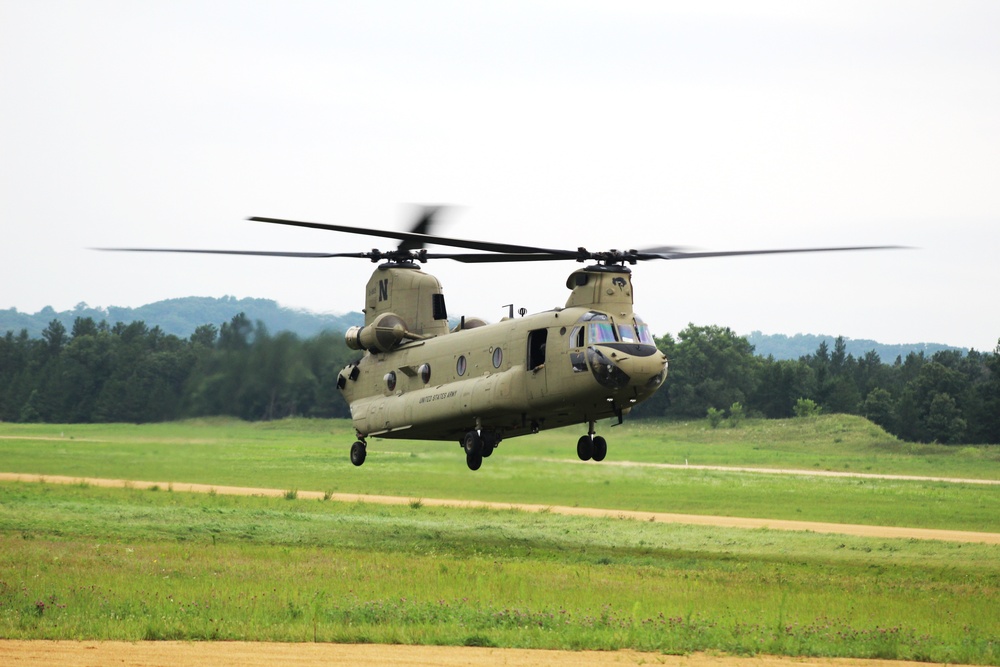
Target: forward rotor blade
487,258
666,249
260,253
422,238
733,253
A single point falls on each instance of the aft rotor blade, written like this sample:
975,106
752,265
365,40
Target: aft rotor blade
422,238
424,225
260,253
733,253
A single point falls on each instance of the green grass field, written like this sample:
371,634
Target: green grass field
543,469
86,562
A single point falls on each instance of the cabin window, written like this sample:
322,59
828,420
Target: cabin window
497,357
425,373
460,366
601,332
390,380
437,303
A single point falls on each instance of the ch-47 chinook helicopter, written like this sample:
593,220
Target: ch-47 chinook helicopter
478,383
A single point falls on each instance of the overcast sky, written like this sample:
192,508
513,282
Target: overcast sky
712,125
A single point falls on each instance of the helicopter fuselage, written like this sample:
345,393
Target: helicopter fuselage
591,360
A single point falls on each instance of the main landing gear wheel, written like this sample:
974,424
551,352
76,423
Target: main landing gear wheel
600,448
473,445
490,441
591,447
358,453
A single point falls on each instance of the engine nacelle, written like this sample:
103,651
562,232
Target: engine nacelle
382,335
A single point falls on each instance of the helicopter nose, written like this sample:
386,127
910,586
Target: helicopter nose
646,373
643,367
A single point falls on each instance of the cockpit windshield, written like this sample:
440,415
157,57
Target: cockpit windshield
599,329
626,333
600,332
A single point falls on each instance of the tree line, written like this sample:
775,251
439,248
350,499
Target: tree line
132,373
97,372
946,397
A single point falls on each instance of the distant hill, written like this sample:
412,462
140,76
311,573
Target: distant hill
182,316
781,346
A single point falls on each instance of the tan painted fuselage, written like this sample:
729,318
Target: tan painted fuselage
590,360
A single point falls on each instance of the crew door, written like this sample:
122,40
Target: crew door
536,376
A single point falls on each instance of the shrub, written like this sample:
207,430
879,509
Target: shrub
806,407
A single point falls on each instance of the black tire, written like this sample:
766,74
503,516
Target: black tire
489,443
358,453
474,461
473,444
584,447
600,449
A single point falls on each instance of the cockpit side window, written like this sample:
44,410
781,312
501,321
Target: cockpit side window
642,329
576,337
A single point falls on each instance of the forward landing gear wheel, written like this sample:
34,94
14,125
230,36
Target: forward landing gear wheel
358,453
585,447
474,461
600,449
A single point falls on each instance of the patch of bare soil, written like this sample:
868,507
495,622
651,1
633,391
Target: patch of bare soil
251,654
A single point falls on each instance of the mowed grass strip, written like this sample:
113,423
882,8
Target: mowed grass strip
312,455
80,562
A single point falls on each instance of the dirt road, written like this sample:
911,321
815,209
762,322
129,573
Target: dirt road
243,654
691,519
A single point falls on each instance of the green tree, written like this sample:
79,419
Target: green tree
933,379
943,422
205,336
880,408
736,415
779,385
841,395
986,419
55,337
712,367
